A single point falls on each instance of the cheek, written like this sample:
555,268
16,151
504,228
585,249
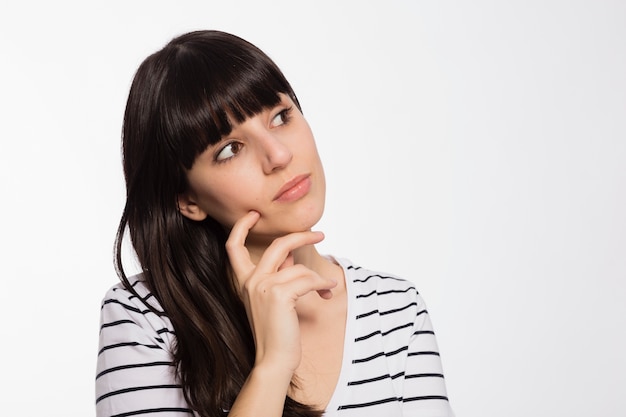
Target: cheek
221,207
226,204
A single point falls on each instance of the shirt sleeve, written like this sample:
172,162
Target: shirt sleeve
424,385
135,374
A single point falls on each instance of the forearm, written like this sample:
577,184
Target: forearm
264,390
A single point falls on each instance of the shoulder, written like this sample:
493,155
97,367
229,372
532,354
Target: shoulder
135,372
366,283
379,299
360,274
135,311
133,301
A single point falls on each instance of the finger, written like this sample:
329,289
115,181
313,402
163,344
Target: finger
236,244
298,278
287,263
278,251
306,283
325,294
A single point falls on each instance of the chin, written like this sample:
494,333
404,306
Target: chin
311,216
293,223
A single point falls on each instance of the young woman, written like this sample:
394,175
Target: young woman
235,312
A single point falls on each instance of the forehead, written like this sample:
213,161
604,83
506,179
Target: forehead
234,120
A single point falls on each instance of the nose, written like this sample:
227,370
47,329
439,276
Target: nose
275,154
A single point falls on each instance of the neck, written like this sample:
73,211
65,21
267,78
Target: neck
310,306
309,257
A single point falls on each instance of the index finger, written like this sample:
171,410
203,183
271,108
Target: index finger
280,249
236,243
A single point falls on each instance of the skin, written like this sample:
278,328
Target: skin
244,171
293,296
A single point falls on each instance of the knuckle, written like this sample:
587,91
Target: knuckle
230,244
276,292
302,271
264,289
250,285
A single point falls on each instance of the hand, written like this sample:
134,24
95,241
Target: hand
270,291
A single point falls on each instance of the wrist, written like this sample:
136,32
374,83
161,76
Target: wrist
274,375
265,389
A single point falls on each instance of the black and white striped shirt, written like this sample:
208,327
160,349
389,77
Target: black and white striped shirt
391,364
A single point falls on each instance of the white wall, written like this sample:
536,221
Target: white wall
476,148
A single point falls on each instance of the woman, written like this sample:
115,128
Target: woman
235,312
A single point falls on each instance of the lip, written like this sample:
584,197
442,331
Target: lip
294,189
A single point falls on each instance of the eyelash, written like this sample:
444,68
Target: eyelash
217,154
285,116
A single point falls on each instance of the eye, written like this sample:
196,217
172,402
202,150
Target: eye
281,118
228,151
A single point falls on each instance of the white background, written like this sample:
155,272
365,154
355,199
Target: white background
476,148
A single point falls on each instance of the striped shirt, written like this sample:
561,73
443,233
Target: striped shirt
391,364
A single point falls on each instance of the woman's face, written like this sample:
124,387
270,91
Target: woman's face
270,164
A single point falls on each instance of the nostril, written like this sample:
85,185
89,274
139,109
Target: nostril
278,156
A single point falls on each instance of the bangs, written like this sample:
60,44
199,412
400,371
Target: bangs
209,86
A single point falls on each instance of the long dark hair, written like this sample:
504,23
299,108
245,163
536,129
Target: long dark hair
181,100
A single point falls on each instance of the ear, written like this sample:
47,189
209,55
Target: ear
189,208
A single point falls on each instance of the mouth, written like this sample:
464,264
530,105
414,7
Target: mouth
294,189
